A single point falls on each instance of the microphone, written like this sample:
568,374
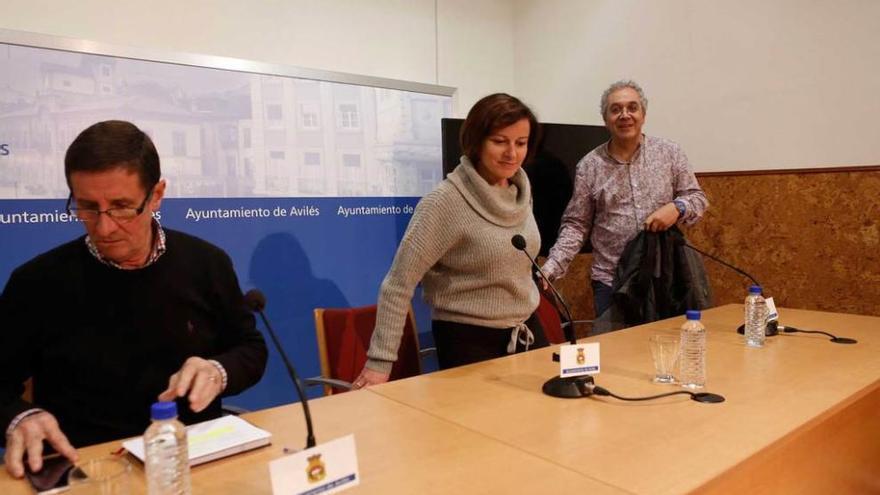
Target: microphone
569,387
771,327
256,302
519,242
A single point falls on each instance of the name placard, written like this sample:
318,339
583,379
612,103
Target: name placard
579,359
327,468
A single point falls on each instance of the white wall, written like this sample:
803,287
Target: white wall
746,84
396,39
476,52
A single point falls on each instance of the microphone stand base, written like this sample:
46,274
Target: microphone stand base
770,330
567,388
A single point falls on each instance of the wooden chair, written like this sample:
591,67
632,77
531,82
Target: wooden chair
343,339
550,319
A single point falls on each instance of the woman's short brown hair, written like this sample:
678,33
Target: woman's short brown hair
490,114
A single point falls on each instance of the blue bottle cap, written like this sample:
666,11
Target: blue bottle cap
755,289
163,410
693,314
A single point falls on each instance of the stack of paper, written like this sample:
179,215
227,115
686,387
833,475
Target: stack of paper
213,439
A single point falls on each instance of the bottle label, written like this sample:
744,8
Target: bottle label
772,314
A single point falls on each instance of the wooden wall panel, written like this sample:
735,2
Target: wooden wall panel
812,238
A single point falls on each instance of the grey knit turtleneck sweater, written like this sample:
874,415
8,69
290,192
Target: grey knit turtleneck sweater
458,244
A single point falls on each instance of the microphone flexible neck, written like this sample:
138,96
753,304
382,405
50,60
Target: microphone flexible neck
291,371
572,338
719,260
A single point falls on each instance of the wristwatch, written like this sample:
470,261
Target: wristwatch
681,207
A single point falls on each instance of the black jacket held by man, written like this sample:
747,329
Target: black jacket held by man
100,343
656,277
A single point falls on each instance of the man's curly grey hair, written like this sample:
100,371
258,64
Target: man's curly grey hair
622,84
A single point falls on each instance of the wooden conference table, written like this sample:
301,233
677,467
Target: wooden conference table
400,450
802,416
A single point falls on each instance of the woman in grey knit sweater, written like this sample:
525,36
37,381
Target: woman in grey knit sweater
458,244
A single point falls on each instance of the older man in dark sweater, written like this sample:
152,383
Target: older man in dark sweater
128,314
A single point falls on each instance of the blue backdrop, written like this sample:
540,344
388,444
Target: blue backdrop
308,158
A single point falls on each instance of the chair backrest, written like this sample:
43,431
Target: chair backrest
550,320
344,337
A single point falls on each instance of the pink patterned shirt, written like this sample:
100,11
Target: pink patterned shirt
612,199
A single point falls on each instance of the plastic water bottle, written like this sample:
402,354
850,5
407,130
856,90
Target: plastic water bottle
756,317
167,459
692,357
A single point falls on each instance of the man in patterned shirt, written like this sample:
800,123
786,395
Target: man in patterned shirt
630,183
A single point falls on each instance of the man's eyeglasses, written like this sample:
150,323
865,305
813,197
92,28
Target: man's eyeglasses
119,214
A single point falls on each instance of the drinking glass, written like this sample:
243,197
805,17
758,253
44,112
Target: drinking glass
664,350
108,475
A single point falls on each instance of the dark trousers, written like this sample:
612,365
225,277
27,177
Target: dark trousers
601,296
459,344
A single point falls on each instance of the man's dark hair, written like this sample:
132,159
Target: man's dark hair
113,144
490,114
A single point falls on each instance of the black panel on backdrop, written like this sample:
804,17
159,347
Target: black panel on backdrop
551,172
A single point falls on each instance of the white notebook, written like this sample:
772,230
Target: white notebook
213,439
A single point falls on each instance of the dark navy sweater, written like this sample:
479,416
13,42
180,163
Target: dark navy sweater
100,343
